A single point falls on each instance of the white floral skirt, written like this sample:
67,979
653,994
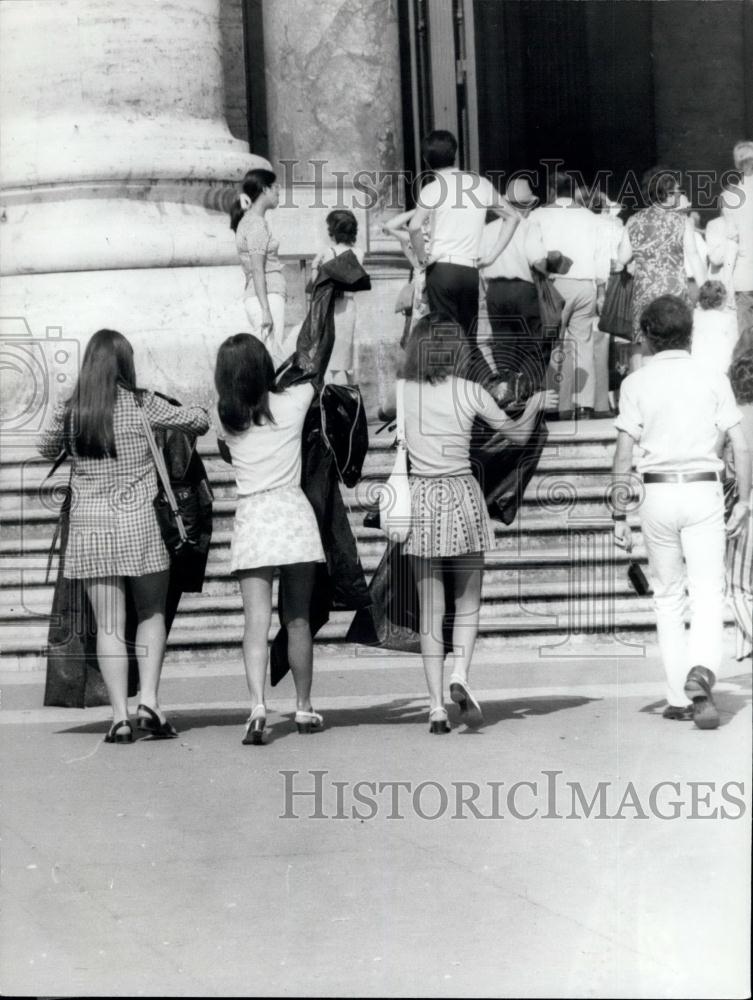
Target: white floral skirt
274,528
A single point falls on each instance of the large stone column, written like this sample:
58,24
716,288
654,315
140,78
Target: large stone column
334,106
116,167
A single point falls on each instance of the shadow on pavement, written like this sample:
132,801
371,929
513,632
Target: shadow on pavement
398,711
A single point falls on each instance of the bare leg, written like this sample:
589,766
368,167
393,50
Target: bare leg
297,583
467,572
256,592
149,596
107,598
636,357
431,599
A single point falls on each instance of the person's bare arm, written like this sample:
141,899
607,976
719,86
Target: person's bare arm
622,466
625,250
743,473
398,225
259,279
519,431
692,257
415,231
508,227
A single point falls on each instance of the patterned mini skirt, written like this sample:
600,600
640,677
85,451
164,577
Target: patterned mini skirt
448,517
274,528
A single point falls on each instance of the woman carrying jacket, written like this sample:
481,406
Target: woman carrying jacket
260,427
450,527
114,539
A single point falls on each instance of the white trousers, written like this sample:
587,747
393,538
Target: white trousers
685,521
272,339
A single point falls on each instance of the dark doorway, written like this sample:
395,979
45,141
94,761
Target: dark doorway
568,80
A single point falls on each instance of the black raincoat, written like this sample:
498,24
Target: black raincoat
504,471
340,583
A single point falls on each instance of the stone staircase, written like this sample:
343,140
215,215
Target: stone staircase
554,582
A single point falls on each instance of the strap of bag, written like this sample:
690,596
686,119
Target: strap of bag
53,544
159,462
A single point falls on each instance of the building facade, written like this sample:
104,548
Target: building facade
127,128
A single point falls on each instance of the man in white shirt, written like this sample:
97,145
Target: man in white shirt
456,202
738,210
576,232
511,297
674,408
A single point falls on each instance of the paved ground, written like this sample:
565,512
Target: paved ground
169,868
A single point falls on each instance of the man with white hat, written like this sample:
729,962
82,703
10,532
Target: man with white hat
738,211
511,298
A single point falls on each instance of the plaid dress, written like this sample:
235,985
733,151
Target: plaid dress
113,527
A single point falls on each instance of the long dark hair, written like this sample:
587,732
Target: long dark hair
254,183
107,364
436,350
244,376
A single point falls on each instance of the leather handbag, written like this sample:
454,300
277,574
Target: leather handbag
178,509
394,496
617,312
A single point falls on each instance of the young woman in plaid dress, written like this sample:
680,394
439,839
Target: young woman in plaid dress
114,539
259,431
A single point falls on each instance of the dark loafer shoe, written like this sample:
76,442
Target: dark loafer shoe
680,713
698,686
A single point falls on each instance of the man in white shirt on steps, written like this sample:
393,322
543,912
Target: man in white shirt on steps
455,203
572,229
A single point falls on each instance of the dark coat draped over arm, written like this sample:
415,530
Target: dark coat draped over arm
504,471
340,583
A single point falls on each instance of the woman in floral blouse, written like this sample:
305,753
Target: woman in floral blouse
658,240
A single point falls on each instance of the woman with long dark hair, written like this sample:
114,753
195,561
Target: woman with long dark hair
275,526
264,296
450,528
114,539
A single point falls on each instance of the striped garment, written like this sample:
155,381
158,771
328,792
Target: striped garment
740,589
448,517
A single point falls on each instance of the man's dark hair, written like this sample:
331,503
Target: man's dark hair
439,149
667,324
711,295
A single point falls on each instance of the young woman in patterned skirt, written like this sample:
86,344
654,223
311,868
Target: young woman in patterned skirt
259,431
450,527
114,539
